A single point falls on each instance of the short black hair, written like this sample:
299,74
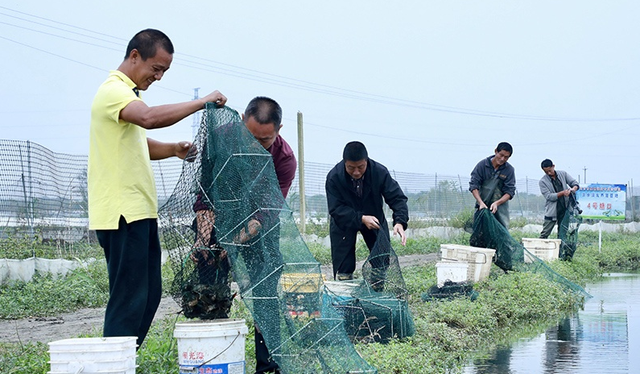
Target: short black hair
354,151
504,146
546,163
264,110
146,43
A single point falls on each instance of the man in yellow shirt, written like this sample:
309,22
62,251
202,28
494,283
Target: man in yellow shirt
123,206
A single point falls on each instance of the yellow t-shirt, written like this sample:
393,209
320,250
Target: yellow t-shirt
120,176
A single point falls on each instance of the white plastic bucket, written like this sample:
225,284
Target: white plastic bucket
214,346
93,355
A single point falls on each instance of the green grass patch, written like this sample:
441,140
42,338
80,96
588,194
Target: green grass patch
448,333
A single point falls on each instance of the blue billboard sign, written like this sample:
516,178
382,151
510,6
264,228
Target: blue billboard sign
603,201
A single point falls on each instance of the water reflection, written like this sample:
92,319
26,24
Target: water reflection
598,339
561,346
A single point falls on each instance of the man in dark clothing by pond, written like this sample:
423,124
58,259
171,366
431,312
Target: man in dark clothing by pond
493,183
355,188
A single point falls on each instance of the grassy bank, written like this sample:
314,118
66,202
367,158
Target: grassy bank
448,333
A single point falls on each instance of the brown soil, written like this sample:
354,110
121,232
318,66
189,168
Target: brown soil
85,321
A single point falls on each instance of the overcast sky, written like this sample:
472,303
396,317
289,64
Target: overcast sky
428,86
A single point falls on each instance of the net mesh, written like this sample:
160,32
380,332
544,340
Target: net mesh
227,218
489,233
568,230
375,308
450,290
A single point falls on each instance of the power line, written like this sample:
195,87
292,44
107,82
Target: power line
62,23
520,144
279,80
51,53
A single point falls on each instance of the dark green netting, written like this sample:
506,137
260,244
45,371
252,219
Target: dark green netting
244,227
450,290
489,233
375,308
568,230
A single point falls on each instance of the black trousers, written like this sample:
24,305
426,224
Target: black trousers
135,278
343,246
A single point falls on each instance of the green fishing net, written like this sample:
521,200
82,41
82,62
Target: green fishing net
568,230
489,233
509,256
227,220
375,308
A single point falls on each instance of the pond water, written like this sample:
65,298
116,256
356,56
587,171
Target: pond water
603,338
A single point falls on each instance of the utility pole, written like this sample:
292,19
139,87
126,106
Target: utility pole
303,210
196,115
585,175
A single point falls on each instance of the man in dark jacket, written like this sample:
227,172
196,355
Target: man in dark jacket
493,183
355,188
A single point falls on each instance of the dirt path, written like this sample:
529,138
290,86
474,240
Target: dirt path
84,321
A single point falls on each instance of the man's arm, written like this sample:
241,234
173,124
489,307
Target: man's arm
204,224
509,185
286,172
159,150
395,199
572,182
546,189
494,206
476,195
508,188
160,116
476,180
398,229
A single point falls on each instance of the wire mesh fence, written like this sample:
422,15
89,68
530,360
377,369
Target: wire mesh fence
43,194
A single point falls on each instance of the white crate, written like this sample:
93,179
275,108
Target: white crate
544,249
479,259
452,271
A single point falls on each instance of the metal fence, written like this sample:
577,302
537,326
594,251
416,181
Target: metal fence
44,194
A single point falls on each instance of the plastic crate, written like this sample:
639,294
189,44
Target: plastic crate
302,282
479,259
453,271
544,249
302,293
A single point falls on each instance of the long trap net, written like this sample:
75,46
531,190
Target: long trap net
375,308
510,255
227,219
